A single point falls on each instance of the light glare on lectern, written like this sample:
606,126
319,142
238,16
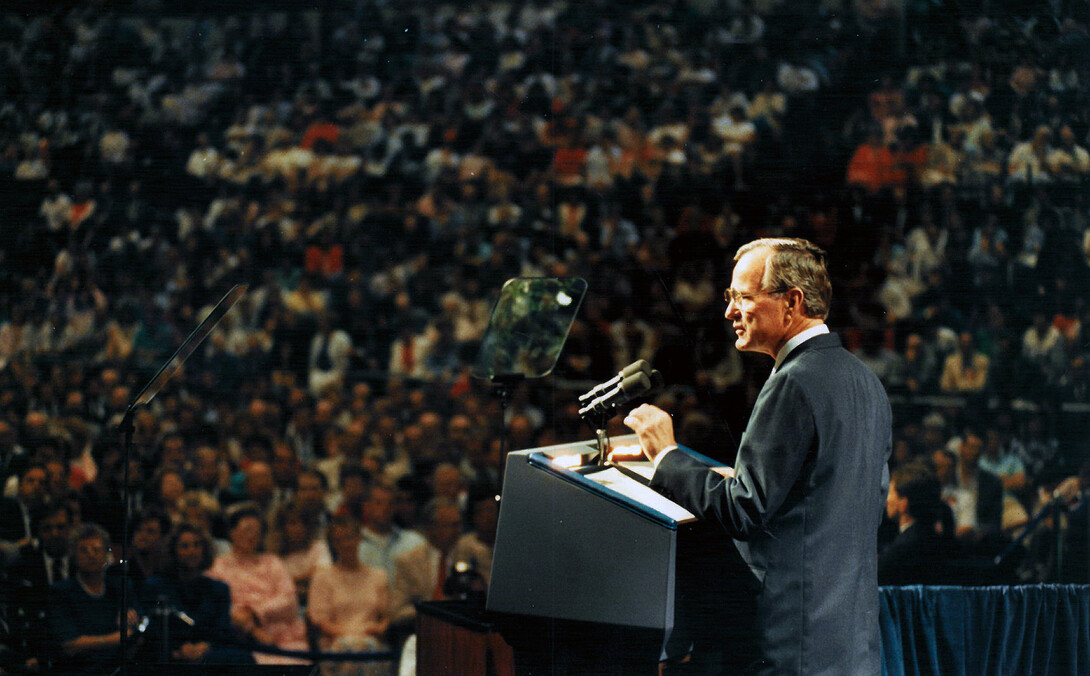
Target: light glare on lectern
633,452
567,461
563,299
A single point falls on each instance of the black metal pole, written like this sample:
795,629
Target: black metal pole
126,426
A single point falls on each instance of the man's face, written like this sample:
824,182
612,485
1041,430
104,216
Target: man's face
189,550
446,529
148,536
758,317
53,532
309,491
447,482
378,510
32,486
206,467
970,450
259,481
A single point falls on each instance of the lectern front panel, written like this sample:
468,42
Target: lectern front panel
569,550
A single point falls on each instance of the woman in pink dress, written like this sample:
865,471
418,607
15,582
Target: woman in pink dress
264,606
349,602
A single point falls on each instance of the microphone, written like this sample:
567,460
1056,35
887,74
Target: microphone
635,385
638,366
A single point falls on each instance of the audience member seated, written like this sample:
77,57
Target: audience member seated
349,602
38,566
965,371
147,535
975,495
1012,473
920,552
296,537
475,548
354,483
83,609
17,513
264,604
383,540
204,635
420,573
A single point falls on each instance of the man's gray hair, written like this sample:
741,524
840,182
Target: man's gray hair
795,264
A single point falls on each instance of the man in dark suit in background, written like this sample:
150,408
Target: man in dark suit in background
805,497
17,513
920,554
38,566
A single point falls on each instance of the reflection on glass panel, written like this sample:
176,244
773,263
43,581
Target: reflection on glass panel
528,326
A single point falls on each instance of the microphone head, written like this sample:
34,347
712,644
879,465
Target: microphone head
657,381
636,383
638,366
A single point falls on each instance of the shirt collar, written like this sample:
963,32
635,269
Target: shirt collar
796,340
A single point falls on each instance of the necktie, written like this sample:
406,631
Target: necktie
440,579
57,572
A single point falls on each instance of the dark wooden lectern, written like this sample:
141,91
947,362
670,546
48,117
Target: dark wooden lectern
458,638
595,573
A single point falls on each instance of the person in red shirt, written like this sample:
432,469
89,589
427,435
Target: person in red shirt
872,165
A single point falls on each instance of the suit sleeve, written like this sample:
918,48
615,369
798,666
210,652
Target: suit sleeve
779,438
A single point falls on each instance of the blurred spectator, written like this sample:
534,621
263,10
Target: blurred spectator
446,481
330,354
147,534
264,605
183,587
83,608
924,544
1028,161
975,495
17,513
383,540
1069,162
38,566
296,537
966,369
475,548
1042,354
917,369
1039,451
871,165
420,573
349,601
1012,473
202,511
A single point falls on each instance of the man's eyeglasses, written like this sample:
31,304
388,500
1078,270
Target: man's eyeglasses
738,298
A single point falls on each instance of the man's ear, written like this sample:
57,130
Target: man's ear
794,299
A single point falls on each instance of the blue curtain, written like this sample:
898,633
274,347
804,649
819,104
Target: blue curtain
973,631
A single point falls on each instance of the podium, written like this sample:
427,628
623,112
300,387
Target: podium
594,572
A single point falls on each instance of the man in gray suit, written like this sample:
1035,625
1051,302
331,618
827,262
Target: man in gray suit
805,496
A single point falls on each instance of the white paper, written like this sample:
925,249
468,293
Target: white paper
618,482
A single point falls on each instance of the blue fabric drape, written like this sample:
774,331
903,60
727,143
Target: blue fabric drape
973,631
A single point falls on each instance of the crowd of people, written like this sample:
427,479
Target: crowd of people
375,171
